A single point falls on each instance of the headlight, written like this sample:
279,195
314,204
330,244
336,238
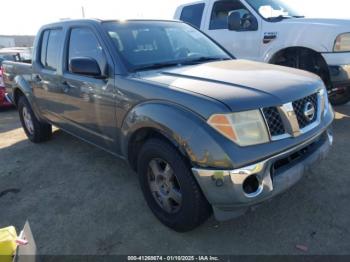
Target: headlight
324,100
342,43
325,106
244,128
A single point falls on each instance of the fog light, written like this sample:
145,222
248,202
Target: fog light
252,186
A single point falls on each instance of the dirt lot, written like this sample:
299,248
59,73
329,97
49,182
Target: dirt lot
81,200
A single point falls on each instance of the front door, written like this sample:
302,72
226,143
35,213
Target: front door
244,43
93,97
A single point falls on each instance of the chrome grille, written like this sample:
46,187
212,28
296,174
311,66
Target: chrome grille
299,106
274,121
279,129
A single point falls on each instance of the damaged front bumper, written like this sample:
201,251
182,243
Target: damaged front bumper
234,192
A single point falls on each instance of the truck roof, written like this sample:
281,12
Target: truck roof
193,3
98,21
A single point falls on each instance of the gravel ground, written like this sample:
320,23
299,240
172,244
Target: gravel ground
81,200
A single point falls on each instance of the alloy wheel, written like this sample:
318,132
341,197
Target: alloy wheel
164,186
28,121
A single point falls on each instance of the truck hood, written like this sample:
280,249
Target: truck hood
316,33
326,22
239,84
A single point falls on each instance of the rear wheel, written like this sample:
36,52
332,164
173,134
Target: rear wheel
169,187
35,130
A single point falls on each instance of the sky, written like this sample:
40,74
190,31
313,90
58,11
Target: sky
26,16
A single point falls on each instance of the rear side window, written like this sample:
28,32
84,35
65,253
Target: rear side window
192,14
44,47
83,43
50,48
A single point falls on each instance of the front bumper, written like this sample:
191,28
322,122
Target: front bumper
339,68
226,190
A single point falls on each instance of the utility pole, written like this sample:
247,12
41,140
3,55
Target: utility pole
83,11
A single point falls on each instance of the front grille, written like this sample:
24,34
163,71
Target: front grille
274,121
299,107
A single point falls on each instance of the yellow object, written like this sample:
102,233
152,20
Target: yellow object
8,245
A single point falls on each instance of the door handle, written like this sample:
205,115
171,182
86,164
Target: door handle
66,86
37,78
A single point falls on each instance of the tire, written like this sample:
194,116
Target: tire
340,97
35,130
193,209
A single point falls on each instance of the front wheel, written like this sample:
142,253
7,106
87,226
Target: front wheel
169,187
339,97
35,130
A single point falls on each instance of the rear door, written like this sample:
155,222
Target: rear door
47,77
91,100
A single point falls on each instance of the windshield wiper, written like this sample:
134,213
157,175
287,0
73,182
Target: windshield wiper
178,63
156,66
279,18
282,17
203,59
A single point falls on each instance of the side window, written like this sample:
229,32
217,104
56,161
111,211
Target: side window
83,43
45,38
50,48
193,14
222,9
53,49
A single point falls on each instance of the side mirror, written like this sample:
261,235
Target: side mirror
85,66
246,23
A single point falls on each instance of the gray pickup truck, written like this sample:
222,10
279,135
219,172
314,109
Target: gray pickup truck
205,132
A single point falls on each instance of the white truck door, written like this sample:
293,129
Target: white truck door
245,43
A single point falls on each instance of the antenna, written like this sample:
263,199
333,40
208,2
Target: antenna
83,11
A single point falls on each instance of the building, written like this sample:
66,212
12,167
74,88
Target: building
16,41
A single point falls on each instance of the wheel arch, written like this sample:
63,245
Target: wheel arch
173,123
280,52
139,138
23,88
273,55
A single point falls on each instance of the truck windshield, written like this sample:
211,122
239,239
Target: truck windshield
155,44
274,10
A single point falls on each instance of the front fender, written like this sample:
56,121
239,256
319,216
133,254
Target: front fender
188,131
273,50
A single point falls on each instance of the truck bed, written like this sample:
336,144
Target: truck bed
15,72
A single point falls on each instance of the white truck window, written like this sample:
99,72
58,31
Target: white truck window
270,9
51,44
222,9
192,14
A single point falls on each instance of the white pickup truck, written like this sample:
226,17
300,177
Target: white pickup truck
272,32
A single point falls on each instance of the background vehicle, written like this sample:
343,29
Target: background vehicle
11,54
4,98
19,54
272,32
203,131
